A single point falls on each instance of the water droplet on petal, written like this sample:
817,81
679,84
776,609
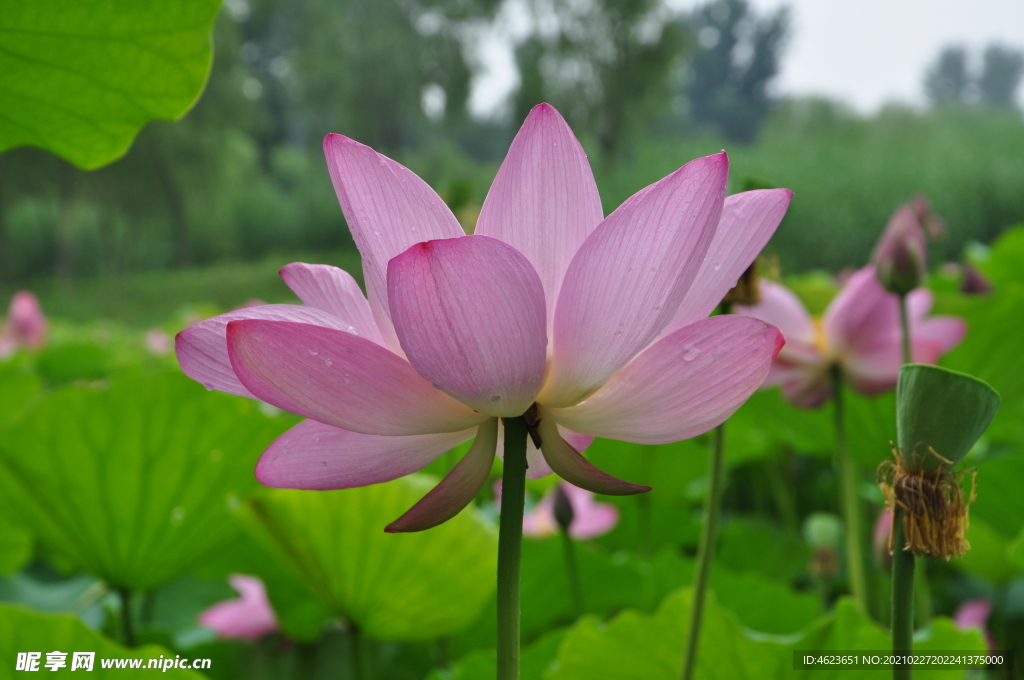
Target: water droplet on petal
313,351
718,265
691,352
208,386
328,361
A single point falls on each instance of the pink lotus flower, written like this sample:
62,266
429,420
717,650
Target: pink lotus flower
25,325
880,539
598,326
246,618
974,614
859,333
590,519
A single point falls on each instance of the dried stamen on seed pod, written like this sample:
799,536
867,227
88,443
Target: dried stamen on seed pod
935,512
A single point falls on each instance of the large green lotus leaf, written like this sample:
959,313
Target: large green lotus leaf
81,77
849,628
991,351
483,664
941,409
1005,261
637,646
15,546
19,385
416,586
133,480
989,556
27,631
767,423
752,544
870,428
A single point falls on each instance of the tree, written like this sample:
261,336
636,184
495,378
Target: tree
738,57
608,66
948,81
1001,73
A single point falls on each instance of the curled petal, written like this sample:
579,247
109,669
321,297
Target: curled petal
340,379
683,385
312,455
568,464
863,316
469,313
458,488
629,277
544,200
536,466
388,208
202,348
334,291
748,220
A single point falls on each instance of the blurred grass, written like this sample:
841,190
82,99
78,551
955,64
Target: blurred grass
150,298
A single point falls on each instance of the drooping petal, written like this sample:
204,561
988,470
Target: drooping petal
568,464
683,385
469,313
458,488
629,277
536,466
544,200
340,379
334,291
748,220
312,455
202,348
388,208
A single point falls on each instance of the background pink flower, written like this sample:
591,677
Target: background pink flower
974,614
597,325
25,325
590,518
245,618
859,332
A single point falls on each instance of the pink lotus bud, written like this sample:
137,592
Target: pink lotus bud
933,225
26,324
974,614
901,256
880,539
974,283
246,618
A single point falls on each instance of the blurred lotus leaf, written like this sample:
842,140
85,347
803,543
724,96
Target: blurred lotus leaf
416,586
27,631
133,481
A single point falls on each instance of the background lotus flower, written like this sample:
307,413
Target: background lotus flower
974,614
880,539
25,325
248,617
859,332
901,256
590,326
590,518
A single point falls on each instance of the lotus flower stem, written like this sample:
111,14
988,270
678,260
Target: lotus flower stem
902,597
922,594
510,547
847,470
573,572
716,474
127,631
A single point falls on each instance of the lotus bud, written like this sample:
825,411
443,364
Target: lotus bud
881,540
932,224
563,510
900,258
973,282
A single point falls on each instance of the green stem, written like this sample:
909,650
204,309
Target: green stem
355,637
127,631
716,475
922,593
902,598
510,547
573,572
848,478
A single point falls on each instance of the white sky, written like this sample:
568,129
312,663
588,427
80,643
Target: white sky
864,52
